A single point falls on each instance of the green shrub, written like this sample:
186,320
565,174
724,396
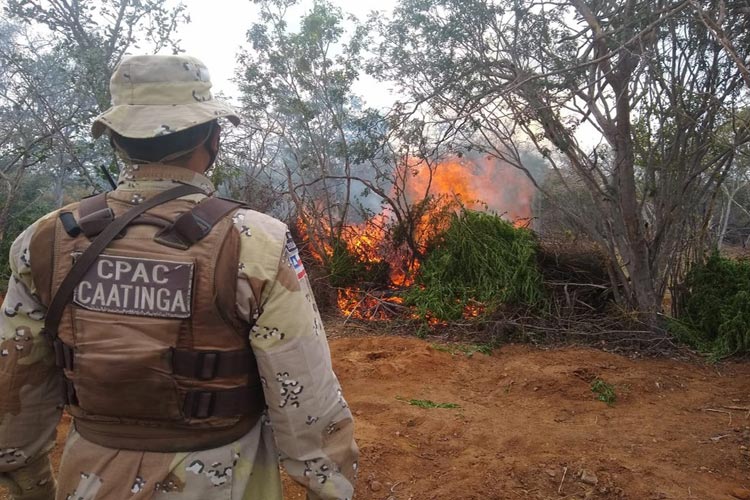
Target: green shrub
347,269
604,392
715,316
479,259
734,330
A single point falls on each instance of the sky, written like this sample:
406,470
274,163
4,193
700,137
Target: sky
218,27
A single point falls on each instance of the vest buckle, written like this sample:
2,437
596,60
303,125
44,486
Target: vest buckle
207,365
199,404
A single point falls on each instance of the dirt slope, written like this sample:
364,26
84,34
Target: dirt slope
529,427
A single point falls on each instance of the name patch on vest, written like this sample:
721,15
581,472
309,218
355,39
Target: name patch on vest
137,286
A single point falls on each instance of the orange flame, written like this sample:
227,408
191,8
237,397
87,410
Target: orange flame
478,184
359,304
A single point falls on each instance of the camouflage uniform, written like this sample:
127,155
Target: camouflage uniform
307,426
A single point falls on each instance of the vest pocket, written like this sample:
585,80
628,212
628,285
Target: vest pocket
122,366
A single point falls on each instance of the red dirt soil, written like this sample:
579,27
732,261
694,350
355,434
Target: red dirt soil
529,427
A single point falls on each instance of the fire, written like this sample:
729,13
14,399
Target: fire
360,304
476,183
366,240
369,243
318,246
473,311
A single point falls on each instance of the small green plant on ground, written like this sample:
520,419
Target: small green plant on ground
426,403
466,349
604,392
479,259
715,315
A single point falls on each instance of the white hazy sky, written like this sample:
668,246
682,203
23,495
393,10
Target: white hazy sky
218,27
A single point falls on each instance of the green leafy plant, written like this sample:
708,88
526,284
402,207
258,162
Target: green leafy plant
479,259
467,349
347,269
715,316
426,403
604,392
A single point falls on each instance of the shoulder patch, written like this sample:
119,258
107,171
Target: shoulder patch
294,259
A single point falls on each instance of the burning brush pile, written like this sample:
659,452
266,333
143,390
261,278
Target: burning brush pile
450,261
448,258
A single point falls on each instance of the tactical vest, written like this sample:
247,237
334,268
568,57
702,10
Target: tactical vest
152,352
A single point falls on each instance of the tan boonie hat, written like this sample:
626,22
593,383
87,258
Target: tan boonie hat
159,95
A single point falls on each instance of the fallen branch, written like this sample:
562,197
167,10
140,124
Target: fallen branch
565,472
714,410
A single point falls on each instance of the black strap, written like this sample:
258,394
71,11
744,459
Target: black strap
87,258
63,354
194,225
69,392
223,403
207,365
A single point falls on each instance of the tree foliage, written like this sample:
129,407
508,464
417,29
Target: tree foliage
56,58
305,120
647,77
97,34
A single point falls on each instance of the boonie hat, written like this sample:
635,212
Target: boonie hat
155,95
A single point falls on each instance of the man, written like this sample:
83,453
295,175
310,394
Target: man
186,343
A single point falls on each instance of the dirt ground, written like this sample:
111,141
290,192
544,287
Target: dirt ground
528,426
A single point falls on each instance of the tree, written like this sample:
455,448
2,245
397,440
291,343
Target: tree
97,34
733,220
27,94
647,77
85,40
56,58
303,117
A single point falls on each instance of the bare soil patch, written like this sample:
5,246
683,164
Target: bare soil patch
528,426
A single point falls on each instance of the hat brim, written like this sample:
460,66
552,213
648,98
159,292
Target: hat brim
146,121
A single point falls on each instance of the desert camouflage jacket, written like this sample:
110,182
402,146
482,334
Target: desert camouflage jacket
307,426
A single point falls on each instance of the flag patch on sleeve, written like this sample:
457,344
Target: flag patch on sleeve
294,258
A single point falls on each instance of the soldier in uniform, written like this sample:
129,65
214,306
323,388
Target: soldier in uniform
178,328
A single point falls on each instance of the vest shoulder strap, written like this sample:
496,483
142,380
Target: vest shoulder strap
94,215
194,225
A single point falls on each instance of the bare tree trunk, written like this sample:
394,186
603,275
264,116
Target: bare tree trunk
726,212
12,183
636,244
60,181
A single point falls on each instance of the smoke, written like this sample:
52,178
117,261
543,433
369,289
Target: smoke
477,181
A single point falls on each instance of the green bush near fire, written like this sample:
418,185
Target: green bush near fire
480,260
